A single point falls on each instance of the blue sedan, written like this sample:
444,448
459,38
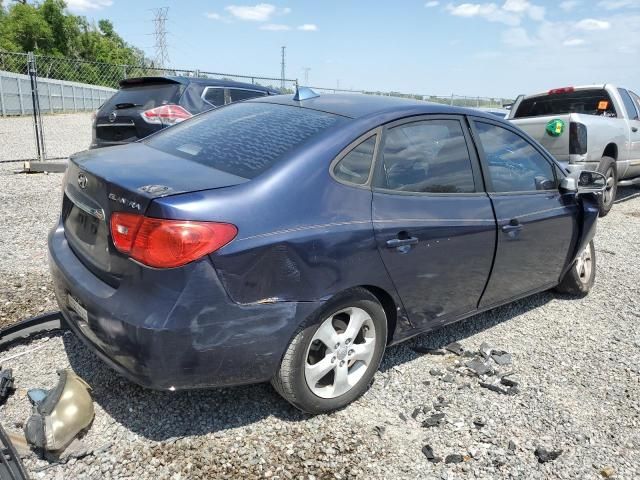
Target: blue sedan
292,239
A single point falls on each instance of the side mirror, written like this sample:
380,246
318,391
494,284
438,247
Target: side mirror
583,181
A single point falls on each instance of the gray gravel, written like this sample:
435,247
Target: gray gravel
64,134
577,362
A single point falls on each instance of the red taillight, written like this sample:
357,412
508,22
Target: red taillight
166,115
163,243
557,91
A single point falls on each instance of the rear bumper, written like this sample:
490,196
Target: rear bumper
173,329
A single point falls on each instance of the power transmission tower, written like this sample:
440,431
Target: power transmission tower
306,75
160,32
282,69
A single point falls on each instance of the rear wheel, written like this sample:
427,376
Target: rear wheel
582,275
608,168
332,359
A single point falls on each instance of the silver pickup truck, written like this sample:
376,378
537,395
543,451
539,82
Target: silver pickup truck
595,127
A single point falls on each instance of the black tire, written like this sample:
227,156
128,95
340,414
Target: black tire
290,381
608,168
575,282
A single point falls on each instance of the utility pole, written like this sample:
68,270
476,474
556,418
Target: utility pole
306,75
160,33
282,65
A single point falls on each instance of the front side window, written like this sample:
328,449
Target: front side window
514,164
427,157
239,94
629,105
636,99
243,139
355,166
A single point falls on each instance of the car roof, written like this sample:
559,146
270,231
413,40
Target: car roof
362,105
213,82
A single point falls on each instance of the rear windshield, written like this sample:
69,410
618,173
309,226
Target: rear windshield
588,102
244,139
145,96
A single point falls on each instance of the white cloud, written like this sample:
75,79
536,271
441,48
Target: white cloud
517,37
617,4
591,24
510,13
308,27
569,5
261,12
432,4
275,27
573,42
84,5
213,16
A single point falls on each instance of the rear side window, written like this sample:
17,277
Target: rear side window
427,157
588,102
215,96
145,96
243,139
514,164
355,166
629,106
239,94
636,99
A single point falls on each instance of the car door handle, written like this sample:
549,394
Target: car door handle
512,227
401,242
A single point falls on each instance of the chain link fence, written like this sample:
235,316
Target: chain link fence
46,103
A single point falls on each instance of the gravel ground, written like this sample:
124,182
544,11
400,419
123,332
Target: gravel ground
577,362
64,134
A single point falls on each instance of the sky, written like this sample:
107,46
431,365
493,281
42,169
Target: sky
477,48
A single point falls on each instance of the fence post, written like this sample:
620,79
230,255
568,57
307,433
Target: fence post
37,120
20,96
2,110
73,94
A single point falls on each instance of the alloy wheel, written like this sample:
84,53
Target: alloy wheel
340,352
609,188
584,264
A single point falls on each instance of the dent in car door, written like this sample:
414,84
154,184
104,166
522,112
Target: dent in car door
537,225
433,223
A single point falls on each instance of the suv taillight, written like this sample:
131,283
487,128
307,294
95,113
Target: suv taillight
577,138
161,243
166,115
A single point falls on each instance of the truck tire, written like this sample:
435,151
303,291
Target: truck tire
609,169
582,274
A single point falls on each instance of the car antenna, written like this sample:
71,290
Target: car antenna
304,93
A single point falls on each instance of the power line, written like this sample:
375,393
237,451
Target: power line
282,69
160,32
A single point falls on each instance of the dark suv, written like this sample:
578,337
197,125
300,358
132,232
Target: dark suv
145,105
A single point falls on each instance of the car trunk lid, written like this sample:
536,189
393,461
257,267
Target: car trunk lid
100,182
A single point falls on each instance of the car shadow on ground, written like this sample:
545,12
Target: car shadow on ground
160,416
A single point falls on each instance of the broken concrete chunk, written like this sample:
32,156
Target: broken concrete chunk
507,382
485,350
478,366
436,372
434,420
479,422
448,378
454,458
607,472
428,452
429,351
416,412
403,417
545,455
494,388
455,348
501,357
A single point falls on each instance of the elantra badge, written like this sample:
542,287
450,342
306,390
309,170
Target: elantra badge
112,116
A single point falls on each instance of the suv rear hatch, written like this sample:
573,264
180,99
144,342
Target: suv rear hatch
98,183
120,120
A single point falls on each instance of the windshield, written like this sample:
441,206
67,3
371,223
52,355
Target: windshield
244,139
588,102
